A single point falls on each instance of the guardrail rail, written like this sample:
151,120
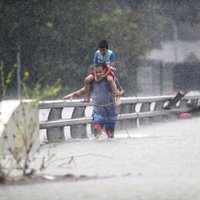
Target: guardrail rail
134,111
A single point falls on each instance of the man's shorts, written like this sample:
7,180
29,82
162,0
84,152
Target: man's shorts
107,122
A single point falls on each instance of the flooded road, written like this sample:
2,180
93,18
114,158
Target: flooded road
159,161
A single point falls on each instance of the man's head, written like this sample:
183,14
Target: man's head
99,71
103,46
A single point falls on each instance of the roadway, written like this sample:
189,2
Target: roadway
155,162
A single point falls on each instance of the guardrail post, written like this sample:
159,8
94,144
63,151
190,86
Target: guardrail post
183,103
145,107
132,110
193,103
55,134
128,123
78,131
159,105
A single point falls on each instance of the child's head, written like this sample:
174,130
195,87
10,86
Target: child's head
103,46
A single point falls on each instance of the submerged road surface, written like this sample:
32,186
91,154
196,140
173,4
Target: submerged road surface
157,162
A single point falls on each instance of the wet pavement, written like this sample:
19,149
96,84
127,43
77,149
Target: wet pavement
156,162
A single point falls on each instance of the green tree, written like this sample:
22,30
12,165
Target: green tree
57,39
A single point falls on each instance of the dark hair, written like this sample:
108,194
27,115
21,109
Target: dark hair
103,44
100,65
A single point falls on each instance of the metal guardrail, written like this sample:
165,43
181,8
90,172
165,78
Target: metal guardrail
133,111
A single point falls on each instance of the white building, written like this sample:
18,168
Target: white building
176,52
157,75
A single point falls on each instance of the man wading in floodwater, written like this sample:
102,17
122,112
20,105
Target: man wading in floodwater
103,98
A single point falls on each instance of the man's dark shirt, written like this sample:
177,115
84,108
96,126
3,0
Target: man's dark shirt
103,98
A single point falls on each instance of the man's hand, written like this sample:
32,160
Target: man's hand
69,96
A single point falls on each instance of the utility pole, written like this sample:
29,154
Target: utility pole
18,75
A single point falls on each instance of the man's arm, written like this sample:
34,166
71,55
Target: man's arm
119,87
77,93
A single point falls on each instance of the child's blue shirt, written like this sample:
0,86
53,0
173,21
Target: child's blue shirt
108,57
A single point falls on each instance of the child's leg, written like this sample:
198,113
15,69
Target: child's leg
87,87
115,90
113,86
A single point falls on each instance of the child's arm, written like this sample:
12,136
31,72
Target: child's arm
106,74
110,68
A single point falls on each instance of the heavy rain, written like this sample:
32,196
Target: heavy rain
50,150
